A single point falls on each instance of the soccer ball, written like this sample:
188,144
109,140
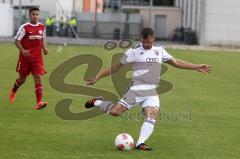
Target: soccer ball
124,142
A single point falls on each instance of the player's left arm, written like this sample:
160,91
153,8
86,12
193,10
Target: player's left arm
203,68
44,48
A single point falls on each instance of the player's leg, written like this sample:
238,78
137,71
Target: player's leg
106,106
39,91
150,109
18,82
147,127
37,70
23,70
117,110
127,101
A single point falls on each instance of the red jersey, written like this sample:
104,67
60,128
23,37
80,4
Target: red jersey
31,37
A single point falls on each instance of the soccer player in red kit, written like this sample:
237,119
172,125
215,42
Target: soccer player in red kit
30,40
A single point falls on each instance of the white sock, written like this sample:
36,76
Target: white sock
146,130
104,106
97,103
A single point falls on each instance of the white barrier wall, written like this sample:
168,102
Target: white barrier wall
45,5
220,22
6,16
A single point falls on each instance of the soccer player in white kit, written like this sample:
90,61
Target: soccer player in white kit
146,60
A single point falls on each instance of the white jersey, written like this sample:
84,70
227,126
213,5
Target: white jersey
146,66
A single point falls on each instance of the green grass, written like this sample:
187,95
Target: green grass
213,99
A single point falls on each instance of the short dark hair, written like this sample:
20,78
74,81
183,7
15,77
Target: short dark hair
33,9
146,32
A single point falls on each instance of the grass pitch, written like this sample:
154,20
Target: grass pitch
201,116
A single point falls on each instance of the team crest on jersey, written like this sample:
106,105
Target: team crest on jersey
137,46
40,31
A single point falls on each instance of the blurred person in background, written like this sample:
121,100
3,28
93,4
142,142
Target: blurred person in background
49,22
72,26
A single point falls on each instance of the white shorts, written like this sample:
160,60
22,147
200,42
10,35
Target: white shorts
129,101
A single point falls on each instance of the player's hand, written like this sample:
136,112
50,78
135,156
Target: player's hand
90,81
203,68
45,51
25,53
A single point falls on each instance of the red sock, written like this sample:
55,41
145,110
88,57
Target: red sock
38,91
16,86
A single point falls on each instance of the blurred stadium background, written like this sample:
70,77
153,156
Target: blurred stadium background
204,22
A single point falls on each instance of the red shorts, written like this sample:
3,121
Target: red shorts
26,67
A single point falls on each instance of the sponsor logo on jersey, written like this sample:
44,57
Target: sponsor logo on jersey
40,31
152,60
33,37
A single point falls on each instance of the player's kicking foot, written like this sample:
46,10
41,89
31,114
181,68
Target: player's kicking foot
143,147
41,105
12,96
90,103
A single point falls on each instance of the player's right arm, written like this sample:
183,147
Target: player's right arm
24,52
18,38
128,57
105,72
